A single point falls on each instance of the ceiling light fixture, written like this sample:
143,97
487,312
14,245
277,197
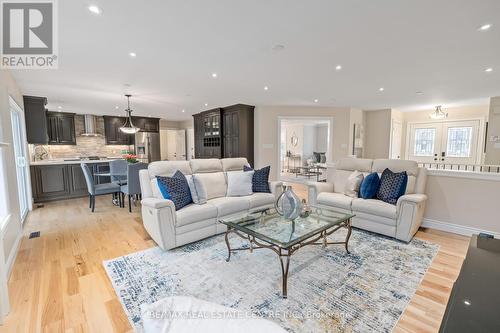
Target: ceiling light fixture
133,54
94,9
438,113
214,75
381,89
488,70
128,127
117,107
419,93
266,88
59,107
206,104
183,110
338,67
316,101
485,27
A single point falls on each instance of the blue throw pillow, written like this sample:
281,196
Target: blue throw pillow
392,186
260,179
175,188
369,186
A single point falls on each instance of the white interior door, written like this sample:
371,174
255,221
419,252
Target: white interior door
20,159
453,142
190,143
176,145
396,135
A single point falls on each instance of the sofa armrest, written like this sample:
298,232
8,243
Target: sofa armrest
315,188
276,188
159,219
410,210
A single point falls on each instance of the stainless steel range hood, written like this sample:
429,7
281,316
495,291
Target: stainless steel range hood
90,122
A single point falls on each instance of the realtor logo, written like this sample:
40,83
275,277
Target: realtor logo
29,38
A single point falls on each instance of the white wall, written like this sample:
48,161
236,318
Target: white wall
266,131
11,231
321,139
493,148
377,133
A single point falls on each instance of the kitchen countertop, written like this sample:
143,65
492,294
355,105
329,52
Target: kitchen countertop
60,161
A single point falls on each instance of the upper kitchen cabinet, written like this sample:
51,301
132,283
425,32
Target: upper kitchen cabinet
61,128
112,131
36,121
147,124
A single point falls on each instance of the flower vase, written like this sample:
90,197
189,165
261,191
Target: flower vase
288,204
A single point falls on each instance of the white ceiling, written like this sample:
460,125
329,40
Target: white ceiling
403,46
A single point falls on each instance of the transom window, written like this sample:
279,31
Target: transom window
424,141
459,142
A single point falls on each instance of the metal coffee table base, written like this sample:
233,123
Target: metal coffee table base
285,253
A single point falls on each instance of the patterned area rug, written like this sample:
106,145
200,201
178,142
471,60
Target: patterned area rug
328,289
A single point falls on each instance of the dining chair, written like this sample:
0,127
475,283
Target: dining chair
118,167
133,186
99,189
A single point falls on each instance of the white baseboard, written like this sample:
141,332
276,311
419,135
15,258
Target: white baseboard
13,254
455,228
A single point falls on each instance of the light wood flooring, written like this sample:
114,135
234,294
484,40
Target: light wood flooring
58,283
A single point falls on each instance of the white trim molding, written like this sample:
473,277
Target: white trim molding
464,174
455,228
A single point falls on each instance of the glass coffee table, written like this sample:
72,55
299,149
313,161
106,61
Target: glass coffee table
267,229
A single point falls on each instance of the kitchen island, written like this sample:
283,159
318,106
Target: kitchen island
63,178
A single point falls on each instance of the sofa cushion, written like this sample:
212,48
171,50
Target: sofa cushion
239,183
234,164
339,200
374,207
230,205
260,180
351,164
392,186
168,168
175,188
261,199
369,186
206,165
214,183
411,167
195,213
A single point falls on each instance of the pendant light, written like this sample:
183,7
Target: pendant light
128,127
438,113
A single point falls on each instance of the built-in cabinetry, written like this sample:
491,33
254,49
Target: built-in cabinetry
114,136
225,132
36,121
63,181
61,128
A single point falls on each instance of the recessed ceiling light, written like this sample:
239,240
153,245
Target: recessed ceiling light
419,93
485,27
316,101
338,67
117,107
214,75
381,89
59,107
489,69
266,88
133,54
467,302
149,115
206,104
183,110
94,9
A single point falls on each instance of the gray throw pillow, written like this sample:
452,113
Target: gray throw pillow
198,191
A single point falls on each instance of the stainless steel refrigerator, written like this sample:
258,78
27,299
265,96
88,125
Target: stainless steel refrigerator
147,146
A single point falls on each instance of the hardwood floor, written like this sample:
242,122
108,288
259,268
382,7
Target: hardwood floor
58,283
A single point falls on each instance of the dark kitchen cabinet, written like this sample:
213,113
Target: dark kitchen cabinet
112,132
78,184
36,120
50,182
147,124
61,128
208,134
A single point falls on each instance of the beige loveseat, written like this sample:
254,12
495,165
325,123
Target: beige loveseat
170,228
400,221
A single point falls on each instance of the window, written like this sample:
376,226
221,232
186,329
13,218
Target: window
3,189
459,142
424,141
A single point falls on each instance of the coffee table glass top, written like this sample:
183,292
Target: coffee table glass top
269,226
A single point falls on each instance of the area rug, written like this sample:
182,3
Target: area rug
328,289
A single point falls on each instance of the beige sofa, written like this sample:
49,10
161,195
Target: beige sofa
170,228
400,221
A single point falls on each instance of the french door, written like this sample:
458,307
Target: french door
453,142
20,154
